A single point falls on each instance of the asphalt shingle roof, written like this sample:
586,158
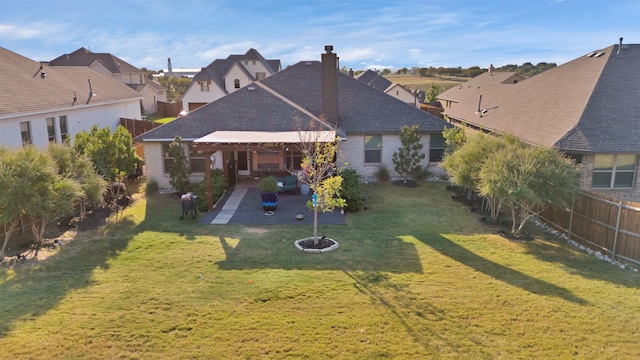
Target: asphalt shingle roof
22,90
84,57
588,105
295,92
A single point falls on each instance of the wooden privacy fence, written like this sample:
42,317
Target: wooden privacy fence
611,225
166,109
138,127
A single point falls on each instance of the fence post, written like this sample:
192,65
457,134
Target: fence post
615,237
573,204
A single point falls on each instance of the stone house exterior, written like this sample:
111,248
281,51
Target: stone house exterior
253,131
588,108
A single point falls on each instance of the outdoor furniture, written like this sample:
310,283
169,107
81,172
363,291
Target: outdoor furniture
289,184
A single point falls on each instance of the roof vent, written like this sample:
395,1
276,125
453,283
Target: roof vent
598,55
251,88
590,54
308,63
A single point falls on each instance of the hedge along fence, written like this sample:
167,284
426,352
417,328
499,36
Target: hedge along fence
609,224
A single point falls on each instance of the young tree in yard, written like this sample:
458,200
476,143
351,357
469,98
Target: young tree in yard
112,154
320,172
31,186
10,203
464,164
407,159
528,180
433,92
80,168
454,137
179,168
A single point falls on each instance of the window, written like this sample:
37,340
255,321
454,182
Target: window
197,160
64,132
293,160
167,159
141,81
25,130
614,171
436,148
205,85
236,83
372,149
51,129
261,75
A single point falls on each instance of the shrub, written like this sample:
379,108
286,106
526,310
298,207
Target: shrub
152,186
218,185
420,174
268,184
382,174
350,190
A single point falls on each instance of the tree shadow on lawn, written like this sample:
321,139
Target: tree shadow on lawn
32,289
497,271
551,249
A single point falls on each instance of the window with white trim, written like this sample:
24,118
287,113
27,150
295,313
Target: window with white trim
614,171
373,149
205,86
236,83
196,160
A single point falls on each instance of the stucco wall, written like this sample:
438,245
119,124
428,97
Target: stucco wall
194,95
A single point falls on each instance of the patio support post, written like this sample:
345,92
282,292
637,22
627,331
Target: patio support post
209,185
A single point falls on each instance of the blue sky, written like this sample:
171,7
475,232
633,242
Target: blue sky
365,34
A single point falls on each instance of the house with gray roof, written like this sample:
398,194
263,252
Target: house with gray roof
120,70
377,81
588,108
40,104
254,130
224,76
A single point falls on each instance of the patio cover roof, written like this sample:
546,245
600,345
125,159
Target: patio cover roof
252,137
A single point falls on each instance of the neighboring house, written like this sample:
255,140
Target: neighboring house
588,108
383,84
224,76
253,131
40,104
120,70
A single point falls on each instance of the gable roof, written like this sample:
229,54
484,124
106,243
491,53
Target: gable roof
374,80
588,105
23,90
84,57
273,104
217,70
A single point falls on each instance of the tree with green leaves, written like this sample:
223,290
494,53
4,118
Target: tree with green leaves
528,180
433,92
320,172
179,169
80,168
407,159
454,137
32,186
112,153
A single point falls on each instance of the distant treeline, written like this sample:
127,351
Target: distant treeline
527,69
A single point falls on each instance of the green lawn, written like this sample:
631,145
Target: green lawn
165,120
416,276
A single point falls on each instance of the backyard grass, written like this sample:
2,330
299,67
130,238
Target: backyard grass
416,277
165,120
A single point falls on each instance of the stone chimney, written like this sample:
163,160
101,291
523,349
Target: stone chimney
330,70
350,72
169,65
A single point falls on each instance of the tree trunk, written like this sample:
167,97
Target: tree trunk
38,228
315,225
7,235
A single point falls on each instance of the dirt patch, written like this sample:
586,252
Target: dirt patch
403,183
61,232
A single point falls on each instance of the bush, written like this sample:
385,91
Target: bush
268,184
218,185
420,174
382,174
152,186
350,190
